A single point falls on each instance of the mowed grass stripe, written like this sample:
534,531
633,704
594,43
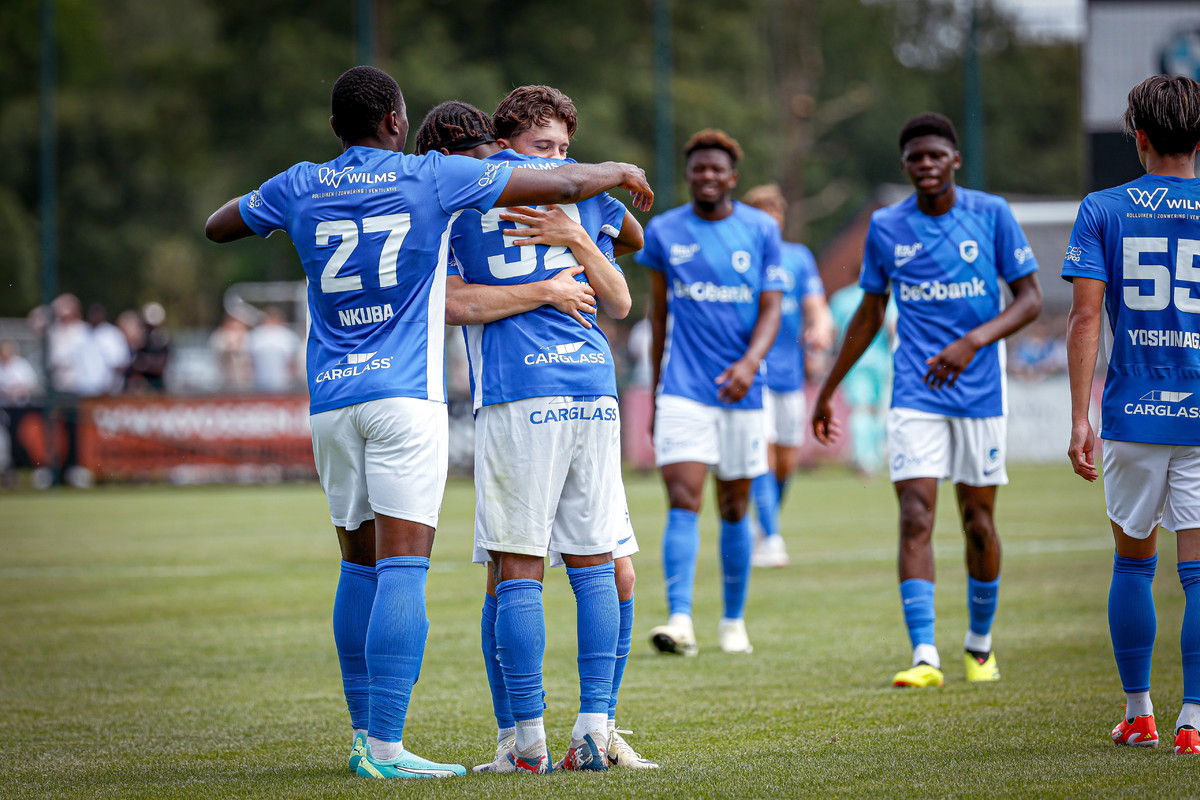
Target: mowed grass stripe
160,642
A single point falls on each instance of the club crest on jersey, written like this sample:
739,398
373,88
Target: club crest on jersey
741,261
969,250
1150,200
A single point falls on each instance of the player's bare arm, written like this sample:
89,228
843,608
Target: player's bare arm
478,303
946,366
551,226
738,377
630,238
818,322
571,183
1083,344
658,331
226,224
860,331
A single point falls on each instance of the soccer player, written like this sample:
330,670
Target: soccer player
943,250
371,228
1134,255
716,285
543,382
805,322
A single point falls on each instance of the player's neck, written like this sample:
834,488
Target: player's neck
934,205
1176,166
713,211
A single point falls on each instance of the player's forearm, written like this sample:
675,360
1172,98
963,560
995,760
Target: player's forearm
226,224
612,292
569,183
766,327
658,324
477,303
1024,309
1083,345
818,321
861,330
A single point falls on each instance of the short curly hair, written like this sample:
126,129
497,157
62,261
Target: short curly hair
713,139
361,98
456,126
527,106
928,124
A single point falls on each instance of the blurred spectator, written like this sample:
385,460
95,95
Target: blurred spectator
18,379
867,387
639,350
70,340
274,349
107,355
149,364
229,343
1037,353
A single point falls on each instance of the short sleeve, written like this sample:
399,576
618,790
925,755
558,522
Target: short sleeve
774,277
874,278
612,211
1014,256
454,266
1085,248
464,182
808,280
265,209
651,255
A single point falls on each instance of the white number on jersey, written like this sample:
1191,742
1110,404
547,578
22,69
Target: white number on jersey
556,257
396,226
1160,295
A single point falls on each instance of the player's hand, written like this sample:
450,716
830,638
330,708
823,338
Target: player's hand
571,296
946,366
1083,444
551,226
735,381
826,428
635,181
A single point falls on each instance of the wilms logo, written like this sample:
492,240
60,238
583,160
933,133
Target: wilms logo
333,177
1146,199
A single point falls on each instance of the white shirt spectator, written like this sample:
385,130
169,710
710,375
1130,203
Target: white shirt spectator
273,349
18,379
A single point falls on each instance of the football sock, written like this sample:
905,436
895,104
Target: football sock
351,614
982,597
1189,635
597,619
521,643
919,615
624,645
926,654
504,733
680,548
1137,704
1188,715
765,492
737,540
781,490
590,723
1131,621
530,732
395,644
491,665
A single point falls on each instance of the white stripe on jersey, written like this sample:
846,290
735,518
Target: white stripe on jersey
435,321
475,359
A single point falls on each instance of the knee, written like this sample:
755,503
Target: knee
916,519
625,578
978,527
733,508
681,495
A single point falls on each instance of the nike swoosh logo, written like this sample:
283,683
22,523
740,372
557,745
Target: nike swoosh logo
626,539
900,262
991,471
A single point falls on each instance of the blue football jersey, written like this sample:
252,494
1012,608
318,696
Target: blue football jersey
372,229
785,361
945,274
543,352
1143,240
715,271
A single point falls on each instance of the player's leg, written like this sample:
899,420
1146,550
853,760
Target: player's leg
742,459
765,491
919,452
1135,491
1182,515
405,452
620,752
352,604
597,619
685,444
506,730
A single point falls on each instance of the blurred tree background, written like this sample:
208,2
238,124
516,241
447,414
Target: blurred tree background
165,110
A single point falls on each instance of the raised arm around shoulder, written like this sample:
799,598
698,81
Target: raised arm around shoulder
226,224
571,183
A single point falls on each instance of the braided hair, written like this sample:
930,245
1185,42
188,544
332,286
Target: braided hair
455,126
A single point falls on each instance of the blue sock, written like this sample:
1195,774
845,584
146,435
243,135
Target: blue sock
597,618
982,597
521,643
919,613
491,664
765,492
351,614
736,542
681,548
1189,637
396,642
624,645
781,490
1131,620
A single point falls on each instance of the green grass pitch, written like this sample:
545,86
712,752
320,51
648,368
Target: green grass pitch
169,643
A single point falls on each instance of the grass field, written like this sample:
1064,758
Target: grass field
160,642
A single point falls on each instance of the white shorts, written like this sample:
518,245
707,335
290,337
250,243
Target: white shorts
548,476
787,417
626,544
1149,484
385,457
733,441
966,450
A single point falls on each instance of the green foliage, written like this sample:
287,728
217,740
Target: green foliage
175,643
166,110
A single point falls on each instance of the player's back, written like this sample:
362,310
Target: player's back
1143,240
542,352
371,229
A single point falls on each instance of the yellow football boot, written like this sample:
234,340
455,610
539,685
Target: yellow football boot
919,677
